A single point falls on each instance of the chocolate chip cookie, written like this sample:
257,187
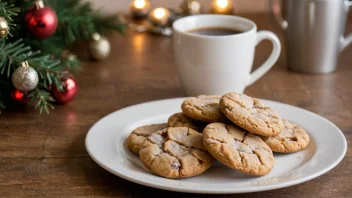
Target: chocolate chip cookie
238,149
137,137
175,152
292,139
181,120
203,108
251,114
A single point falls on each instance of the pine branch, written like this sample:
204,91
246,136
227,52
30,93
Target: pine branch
78,20
2,104
42,100
48,68
12,54
49,57
104,24
69,61
8,12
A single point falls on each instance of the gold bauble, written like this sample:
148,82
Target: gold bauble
191,7
99,47
4,27
140,8
25,78
159,17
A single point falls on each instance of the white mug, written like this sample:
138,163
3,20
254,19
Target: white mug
218,64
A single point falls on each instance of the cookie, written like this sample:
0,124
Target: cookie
251,114
238,149
175,152
137,137
181,120
292,139
203,108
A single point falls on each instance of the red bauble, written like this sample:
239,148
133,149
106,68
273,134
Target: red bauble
18,97
41,21
69,92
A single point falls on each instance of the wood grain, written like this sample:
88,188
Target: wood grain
44,155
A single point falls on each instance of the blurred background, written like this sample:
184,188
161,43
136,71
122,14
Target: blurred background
240,6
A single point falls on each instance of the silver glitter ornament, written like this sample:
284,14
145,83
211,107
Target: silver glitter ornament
99,47
25,78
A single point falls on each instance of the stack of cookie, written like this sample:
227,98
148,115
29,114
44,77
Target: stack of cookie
237,130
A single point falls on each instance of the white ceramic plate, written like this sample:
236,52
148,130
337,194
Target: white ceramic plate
106,144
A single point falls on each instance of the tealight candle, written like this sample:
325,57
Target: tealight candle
191,7
140,8
221,7
159,17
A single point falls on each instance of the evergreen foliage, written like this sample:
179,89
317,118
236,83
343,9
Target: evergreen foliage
49,57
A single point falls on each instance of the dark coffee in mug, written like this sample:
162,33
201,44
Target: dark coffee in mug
218,64
214,31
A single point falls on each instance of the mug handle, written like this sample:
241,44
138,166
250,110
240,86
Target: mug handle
261,35
345,41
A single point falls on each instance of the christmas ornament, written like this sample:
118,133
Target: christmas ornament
99,47
18,97
70,89
191,7
140,8
221,7
159,17
4,27
41,21
25,78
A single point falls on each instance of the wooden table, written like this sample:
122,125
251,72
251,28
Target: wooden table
45,156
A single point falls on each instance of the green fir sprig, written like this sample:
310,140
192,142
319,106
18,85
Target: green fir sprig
9,12
42,99
50,57
49,69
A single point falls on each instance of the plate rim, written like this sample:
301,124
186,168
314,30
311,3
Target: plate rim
215,191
